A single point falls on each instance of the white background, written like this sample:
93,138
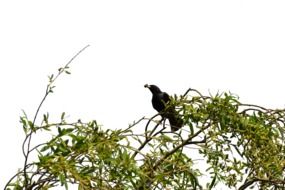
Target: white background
235,46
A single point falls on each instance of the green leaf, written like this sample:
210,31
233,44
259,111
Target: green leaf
59,131
67,131
31,125
62,116
50,78
45,148
46,116
62,180
191,128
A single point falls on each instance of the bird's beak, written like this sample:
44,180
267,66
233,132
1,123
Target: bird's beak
146,86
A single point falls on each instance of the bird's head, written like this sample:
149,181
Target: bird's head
154,89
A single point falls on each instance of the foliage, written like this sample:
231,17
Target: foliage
242,146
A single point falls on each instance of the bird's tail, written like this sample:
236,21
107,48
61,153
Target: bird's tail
175,122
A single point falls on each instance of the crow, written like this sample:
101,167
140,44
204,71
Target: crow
159,101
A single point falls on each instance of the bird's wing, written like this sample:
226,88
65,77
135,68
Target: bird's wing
165,97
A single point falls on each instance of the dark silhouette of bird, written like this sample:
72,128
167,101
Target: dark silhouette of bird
159,101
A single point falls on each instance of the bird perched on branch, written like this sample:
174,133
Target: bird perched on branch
159,101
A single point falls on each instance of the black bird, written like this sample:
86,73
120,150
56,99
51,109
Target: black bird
159,101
